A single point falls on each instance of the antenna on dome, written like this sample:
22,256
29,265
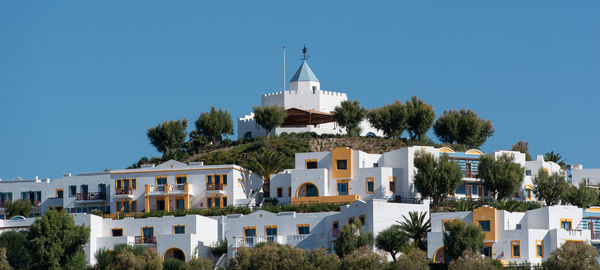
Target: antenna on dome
304,55
284,67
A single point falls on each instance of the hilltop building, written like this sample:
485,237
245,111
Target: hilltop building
308,108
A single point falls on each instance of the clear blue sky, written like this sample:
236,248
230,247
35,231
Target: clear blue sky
82,81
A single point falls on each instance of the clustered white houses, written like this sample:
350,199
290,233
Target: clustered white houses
308,108
377,189
514,237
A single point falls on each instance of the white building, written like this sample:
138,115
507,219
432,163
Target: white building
169,186
191,236
309,109
591,177
514,237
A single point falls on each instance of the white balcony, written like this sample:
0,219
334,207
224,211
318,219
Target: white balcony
166,189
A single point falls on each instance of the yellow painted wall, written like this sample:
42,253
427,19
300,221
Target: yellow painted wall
326,199
486,213
339,154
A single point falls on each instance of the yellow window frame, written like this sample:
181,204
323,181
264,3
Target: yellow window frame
566,220
370,180
514,243
392,179
112,234
249,228
537,244
444,223
470,189
161,176
179,225
347,181
271,227
60,189
302,225
306,161
153,231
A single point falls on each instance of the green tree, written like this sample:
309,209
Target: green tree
269,117
459,237
168,136
416,227
581,196
556,158
214,124
219,248
523,147
470,261
363,258
201,264
549,188
54,239
462,127
319,259
436,177
392,240
391,119
502,176
351,237
18,208
349,115
16,247
572,256
174,264
4,264
128,257
413,259
420,116
265,164
269,256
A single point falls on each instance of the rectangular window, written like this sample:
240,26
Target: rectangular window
516,248
485,225
209,179
528,194
133,183
217,203
126,207
147,231
133,206
59,193
370,185
487,251
361,218
181,179
279,192
224,199
72,191
209,202
179,229
249,234
518,226
351,220
539,248
528,172
118,183
468,191
271,233
445,222
117,232
342,187
342,164
392,184
303,229
565,223
180,204
480,191
119,207
161,180
336,225
217,179
311,163
289,191
224,179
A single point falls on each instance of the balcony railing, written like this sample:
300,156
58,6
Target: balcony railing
596,235
399,199
178,187
250,241
91,196
471,174
124,191
3,204
146,239
214,186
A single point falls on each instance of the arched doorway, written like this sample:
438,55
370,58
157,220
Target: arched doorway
174,253
370,134
307,190
248,135
439,255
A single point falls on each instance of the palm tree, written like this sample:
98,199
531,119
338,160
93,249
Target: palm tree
265,164
556,158
416,227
